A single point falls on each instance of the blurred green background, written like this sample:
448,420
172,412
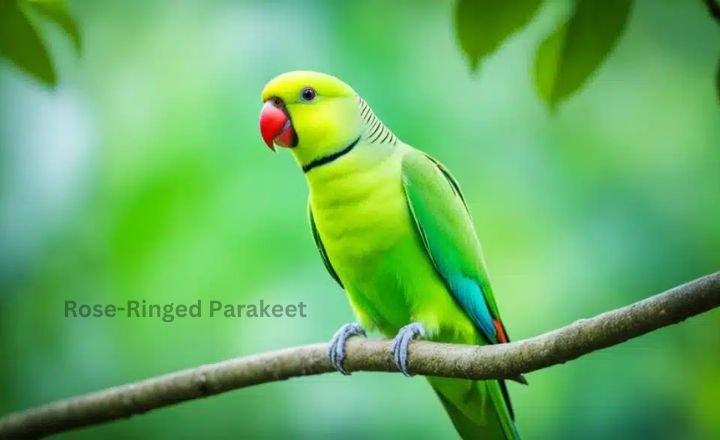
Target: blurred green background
143,176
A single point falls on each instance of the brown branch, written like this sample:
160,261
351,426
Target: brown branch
427,358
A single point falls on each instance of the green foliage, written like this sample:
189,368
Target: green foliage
57,11
714,10
21,42
717,80
564,61
482,25
568,57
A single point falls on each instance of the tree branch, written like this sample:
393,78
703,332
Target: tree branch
426,358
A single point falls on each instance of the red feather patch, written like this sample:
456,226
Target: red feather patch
502,337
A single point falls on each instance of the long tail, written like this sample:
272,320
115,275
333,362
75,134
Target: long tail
478,409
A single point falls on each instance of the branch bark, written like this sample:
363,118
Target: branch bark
426,358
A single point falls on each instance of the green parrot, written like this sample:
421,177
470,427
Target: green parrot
393,229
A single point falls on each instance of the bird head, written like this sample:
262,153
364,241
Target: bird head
311,113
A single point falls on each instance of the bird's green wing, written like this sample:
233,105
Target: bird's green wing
444,224
321,248
443,221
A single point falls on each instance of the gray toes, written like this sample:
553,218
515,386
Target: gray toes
400,344
336,348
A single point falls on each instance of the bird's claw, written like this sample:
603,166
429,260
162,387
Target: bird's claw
400,344
336,347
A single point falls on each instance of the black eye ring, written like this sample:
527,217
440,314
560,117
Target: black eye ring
308,94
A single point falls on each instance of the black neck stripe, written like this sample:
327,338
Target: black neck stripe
330,157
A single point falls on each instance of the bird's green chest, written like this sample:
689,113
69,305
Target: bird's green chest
368,233
363,221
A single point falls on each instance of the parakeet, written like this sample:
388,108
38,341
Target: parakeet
393,229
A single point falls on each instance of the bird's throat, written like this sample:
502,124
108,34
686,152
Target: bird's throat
329,158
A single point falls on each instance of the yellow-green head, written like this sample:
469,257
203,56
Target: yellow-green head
312,113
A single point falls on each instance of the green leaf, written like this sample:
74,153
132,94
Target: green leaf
717,81
569,56
20,42
482,25
57,11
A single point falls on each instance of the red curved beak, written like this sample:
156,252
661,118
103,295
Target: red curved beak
276,127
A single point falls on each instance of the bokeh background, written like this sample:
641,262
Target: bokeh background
142,176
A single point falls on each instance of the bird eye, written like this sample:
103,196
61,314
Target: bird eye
308,94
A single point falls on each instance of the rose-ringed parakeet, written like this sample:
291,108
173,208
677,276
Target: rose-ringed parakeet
393,230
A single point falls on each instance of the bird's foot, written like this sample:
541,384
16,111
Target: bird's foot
336,348
400,344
